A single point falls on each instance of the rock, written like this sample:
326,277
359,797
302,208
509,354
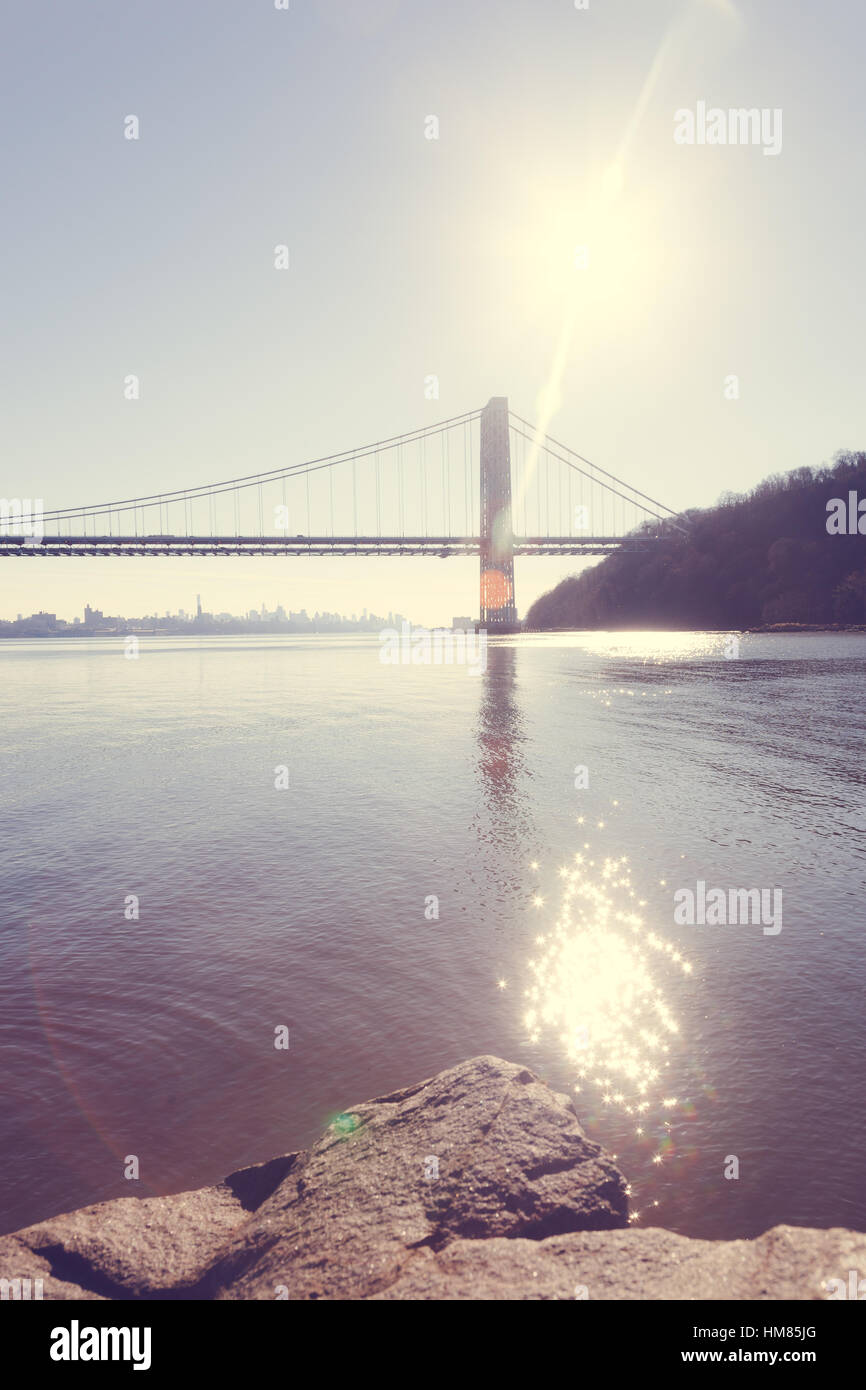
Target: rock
512,1160
138,1247
476,1184
788,1262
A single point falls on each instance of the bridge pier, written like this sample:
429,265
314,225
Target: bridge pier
498,610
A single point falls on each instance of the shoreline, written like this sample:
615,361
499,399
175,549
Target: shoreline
767,629
831,629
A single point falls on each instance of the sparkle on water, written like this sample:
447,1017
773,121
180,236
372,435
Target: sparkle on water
594,989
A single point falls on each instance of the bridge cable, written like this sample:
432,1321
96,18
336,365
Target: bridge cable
596,466
605,487
273,474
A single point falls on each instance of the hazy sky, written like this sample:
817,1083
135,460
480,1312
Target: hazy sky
411,257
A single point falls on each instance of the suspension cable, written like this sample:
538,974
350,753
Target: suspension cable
605,486
274,474
596,466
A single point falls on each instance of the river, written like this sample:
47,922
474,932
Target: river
228,843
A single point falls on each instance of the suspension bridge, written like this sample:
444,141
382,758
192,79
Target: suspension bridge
459,487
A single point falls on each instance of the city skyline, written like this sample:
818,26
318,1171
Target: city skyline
151,585
97,620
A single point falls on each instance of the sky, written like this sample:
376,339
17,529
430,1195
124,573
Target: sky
413,257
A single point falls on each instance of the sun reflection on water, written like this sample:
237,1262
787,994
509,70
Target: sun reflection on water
595,992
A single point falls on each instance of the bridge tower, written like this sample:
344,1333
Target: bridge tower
498,609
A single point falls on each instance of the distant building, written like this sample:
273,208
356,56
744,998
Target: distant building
462,624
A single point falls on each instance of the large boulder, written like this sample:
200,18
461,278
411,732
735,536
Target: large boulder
484,1149
478,1183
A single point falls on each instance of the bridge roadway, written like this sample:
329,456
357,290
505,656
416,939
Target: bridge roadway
442,547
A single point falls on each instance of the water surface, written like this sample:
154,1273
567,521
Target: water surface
310,907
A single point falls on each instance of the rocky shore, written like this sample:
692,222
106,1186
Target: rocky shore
476,1184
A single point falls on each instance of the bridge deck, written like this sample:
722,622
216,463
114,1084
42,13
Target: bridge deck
442,547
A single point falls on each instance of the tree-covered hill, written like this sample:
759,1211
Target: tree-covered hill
766,557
